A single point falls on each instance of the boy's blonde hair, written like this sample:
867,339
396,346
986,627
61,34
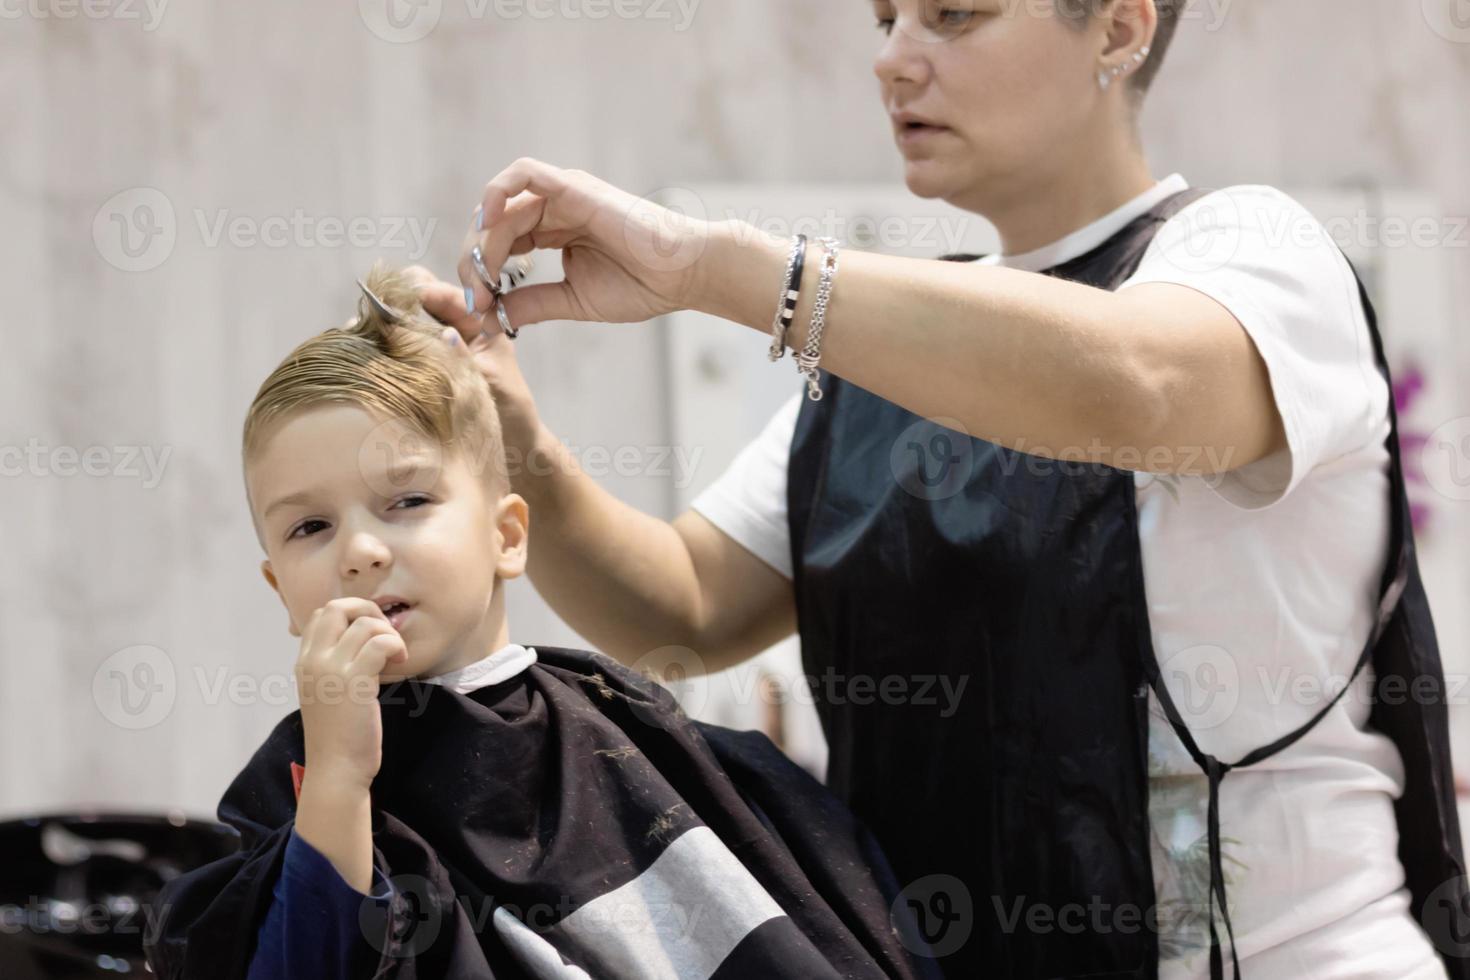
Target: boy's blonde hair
394,370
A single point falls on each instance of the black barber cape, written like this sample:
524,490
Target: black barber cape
926,560
567,822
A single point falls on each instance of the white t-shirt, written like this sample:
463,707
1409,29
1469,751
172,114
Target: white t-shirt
1261,585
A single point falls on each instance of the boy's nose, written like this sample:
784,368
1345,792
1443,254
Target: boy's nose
364,552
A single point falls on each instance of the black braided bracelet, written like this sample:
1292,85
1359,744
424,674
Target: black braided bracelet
790,294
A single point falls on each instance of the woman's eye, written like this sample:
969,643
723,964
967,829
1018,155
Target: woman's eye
945,19
954,18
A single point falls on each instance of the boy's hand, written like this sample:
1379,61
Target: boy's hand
345,648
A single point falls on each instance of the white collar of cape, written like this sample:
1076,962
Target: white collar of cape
1089,237
500,666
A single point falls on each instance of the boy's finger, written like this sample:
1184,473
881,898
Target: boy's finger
379,651
361,632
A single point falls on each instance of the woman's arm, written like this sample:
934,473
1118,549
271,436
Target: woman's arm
1156,377
636,585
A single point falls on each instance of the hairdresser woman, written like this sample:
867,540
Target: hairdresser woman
1152,752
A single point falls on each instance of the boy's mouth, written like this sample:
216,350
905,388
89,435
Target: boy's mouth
395,609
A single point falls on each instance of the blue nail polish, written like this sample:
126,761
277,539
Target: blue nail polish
469,298
480,218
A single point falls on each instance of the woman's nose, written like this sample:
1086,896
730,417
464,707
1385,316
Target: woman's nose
903,58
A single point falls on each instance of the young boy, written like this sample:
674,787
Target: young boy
447,803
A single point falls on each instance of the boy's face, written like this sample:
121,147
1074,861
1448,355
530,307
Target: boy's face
383,511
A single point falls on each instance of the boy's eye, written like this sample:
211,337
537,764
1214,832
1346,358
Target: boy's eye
300,531
296,533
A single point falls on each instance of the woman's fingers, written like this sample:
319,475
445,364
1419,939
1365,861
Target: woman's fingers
526,174
511,235
445,302
624,259
541,302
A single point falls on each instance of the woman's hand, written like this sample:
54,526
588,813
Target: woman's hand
494,356
625,259
345,648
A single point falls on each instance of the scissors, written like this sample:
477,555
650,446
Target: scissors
515,272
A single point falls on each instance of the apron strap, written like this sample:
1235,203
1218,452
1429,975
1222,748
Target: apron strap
1215,771
1395,580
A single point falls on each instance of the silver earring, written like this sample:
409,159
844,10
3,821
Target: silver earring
1105,76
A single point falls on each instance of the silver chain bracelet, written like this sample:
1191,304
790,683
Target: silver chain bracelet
811,354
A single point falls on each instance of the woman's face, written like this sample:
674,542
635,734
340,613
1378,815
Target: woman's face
351,506
1010,83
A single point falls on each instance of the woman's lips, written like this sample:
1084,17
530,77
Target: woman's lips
914,135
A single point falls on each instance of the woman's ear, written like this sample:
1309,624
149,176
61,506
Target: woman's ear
513,523
270,577
1129,25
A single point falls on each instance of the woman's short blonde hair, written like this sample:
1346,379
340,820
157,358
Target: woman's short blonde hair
394,370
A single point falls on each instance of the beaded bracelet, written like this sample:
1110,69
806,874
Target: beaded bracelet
806,361
786,302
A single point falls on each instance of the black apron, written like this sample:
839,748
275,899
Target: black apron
925,559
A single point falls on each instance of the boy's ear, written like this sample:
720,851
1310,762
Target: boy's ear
270,576
513,521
